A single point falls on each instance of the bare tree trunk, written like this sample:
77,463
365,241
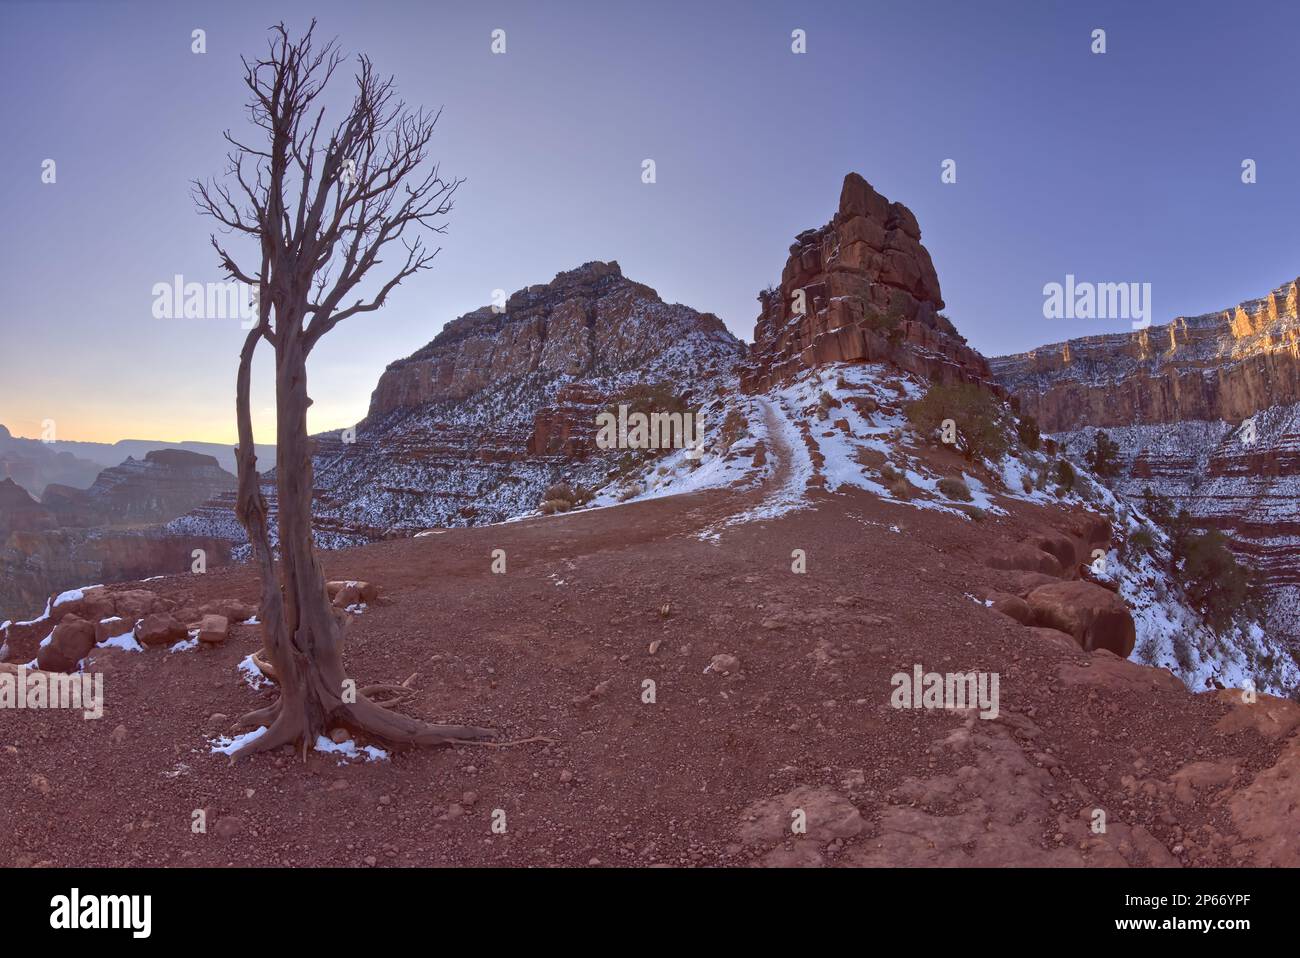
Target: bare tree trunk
303,638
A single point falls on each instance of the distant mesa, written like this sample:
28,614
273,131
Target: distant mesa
109,531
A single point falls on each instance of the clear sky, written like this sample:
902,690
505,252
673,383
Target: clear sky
1121,167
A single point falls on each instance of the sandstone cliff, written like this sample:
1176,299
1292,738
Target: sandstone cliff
1175,399
862,287
474,426
1224,366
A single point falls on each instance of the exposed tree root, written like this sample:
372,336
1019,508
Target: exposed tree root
285,730
365,715
258,717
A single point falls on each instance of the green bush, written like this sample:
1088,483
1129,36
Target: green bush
1028,433
1139,542
1103,457
1065,478
1159,509
889,323
980,418
1219,586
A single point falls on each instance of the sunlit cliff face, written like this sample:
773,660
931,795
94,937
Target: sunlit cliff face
1220,366
1268,324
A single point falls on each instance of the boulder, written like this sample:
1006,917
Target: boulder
135,604
348,592
72,641
90,604
231,609
1058,545
724,664
160,628
1023,583
1028,558
214,629
1013,606
1055,637
1096,617
106,629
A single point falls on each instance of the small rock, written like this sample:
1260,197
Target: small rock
214,629
724,664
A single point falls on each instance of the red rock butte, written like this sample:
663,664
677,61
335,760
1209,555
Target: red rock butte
868,292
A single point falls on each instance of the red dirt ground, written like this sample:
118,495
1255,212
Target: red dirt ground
709,774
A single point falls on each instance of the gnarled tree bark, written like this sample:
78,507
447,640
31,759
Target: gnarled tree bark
367,193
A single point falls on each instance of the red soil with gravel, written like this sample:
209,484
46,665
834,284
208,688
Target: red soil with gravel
592,605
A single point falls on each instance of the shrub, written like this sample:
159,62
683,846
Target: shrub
1065,478
955,489
1158,508
1103,457
561,490
900,488
1028,433
975,512
1140,541
889,473
1219,586
888,323
978,415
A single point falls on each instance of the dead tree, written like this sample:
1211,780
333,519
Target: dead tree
322,204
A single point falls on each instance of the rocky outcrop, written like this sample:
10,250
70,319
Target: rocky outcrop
69,643
19,512
586,323
1205,410
165,484
473,427
1096,617
862,287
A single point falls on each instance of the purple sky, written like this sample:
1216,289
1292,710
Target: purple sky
1123,167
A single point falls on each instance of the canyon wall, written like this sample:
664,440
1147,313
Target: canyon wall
1205,410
